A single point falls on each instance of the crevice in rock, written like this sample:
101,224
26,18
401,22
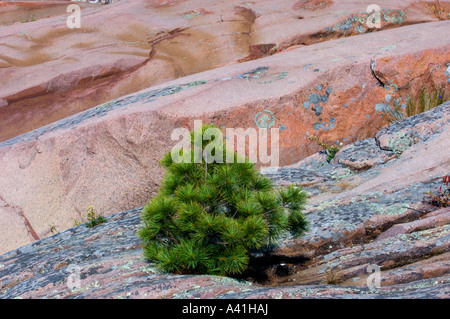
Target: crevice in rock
286,269
419,256
34,98
321,36
19,211
263,269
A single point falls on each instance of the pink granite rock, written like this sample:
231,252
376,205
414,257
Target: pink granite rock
108,156
49,71
441,217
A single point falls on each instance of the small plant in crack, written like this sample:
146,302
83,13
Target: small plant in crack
31,19
425,100
330,150
333,277
53,229
210,218
440,11
93,218
441,197
76,222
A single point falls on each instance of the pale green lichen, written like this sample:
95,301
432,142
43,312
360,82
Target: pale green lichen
359,21
394,16
399,143
127,265
391,88
108,104
92,285
276,77
346,172
193,14
390,47
127,296
394,209
342,224
321,206
229,281
365,197
417,286
265,119
150,269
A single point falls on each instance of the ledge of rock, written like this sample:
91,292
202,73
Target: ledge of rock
87,113
359,218
50,71
107,156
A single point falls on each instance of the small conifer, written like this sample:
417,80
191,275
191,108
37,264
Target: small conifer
209,217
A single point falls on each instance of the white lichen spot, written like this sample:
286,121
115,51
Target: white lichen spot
127,266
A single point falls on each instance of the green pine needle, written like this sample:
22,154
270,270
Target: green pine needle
209,218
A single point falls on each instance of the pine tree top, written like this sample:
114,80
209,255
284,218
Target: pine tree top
208,217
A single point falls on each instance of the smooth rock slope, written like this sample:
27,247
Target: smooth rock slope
49,71
376,216
108,156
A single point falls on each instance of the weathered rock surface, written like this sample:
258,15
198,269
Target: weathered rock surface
110,264
302,74
108,156
49,71
364,154
378,195
359,218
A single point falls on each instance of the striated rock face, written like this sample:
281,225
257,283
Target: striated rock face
360,219
49,71
348,202
107,156
87,113
110,264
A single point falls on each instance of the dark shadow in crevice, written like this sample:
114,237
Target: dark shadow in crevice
263,268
